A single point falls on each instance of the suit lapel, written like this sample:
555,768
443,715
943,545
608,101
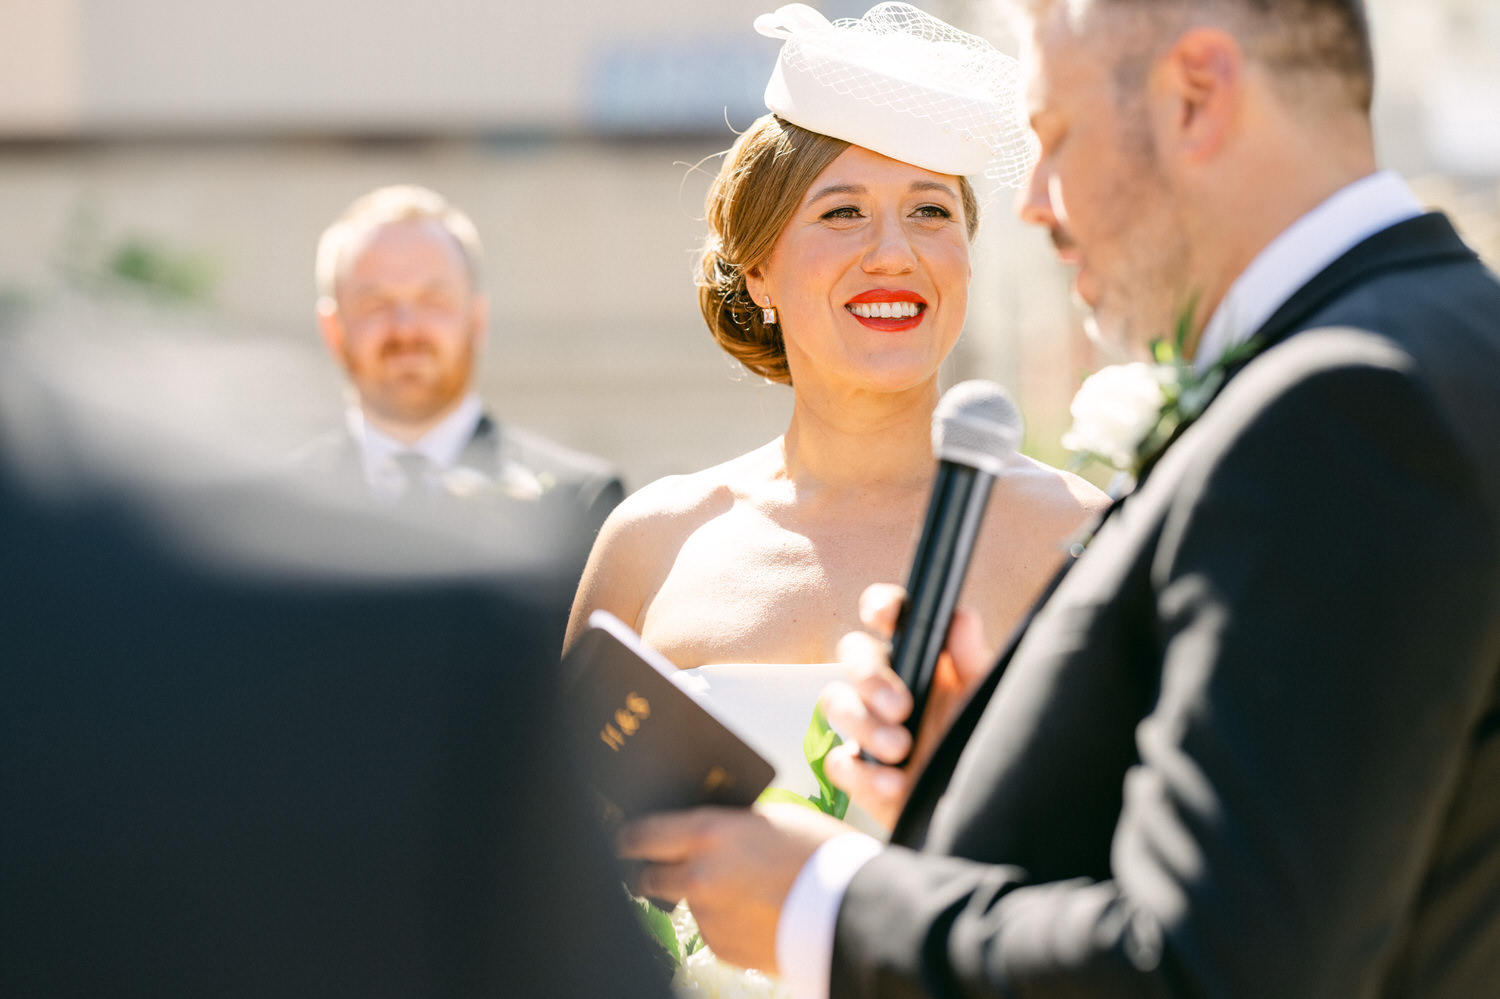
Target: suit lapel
1425,241
483,450
346,467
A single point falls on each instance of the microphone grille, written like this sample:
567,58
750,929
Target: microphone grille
976,424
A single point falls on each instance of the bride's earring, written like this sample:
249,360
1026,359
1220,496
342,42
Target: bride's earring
768,314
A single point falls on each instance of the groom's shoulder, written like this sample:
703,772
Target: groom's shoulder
1404,397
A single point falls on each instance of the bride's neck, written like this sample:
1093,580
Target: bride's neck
861,440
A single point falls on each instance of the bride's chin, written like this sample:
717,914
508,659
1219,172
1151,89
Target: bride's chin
900,375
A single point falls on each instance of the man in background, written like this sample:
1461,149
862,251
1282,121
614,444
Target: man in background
402,310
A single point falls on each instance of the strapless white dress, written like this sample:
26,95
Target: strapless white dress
770,706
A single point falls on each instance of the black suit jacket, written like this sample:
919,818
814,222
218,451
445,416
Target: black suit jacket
253,746
1250,746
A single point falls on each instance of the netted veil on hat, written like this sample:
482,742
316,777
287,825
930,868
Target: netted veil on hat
904,84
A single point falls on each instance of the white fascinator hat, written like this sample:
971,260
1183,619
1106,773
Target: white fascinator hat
904,84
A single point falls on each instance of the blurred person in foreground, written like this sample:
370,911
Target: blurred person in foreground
402,310
1250,744
256,745
837,262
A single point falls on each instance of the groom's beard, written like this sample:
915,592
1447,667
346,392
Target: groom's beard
1145,286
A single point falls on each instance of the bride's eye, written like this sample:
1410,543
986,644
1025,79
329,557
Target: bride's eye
843,212
933,212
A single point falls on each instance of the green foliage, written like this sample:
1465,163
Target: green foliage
677,933
161,271
96,263
816,743
659,927
786,796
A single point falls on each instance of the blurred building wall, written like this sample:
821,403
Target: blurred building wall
205,143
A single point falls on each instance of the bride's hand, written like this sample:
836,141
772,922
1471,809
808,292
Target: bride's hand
870,705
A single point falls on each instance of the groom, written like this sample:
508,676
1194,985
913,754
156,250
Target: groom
1250,745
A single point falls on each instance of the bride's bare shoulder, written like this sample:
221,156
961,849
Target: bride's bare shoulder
1049,497
678,502
641,538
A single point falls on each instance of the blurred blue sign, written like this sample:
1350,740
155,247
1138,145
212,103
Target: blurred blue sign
679,85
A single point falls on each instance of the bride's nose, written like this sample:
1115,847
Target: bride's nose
890,250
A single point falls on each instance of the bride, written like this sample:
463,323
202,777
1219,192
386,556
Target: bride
837,263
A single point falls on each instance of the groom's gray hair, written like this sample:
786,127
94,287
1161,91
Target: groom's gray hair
1298,40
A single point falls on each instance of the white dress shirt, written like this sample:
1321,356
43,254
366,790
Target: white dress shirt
1299,253
804,933
442,445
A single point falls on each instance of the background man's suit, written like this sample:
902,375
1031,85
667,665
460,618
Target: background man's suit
511,492
250,746
514,460
1250,746
512,466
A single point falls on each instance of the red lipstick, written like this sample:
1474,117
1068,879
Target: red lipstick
886,310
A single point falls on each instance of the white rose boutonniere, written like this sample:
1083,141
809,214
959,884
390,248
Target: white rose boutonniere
1116,409
1125,415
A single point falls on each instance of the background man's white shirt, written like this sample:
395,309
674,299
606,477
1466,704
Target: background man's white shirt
442,446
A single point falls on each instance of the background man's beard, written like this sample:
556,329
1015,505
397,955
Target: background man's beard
407,348
417,408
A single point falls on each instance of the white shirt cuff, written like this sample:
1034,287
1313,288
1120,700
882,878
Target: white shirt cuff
804,933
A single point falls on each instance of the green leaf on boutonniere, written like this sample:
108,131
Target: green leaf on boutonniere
1126,415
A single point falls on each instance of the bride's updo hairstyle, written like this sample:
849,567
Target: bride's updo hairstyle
898,82
761,182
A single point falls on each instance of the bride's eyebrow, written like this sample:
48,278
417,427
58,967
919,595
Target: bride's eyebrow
933,185
834,190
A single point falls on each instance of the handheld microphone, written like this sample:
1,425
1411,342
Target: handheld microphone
975,428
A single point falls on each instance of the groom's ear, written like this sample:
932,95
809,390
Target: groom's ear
1198,88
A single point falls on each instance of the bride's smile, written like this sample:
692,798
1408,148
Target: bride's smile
887,310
